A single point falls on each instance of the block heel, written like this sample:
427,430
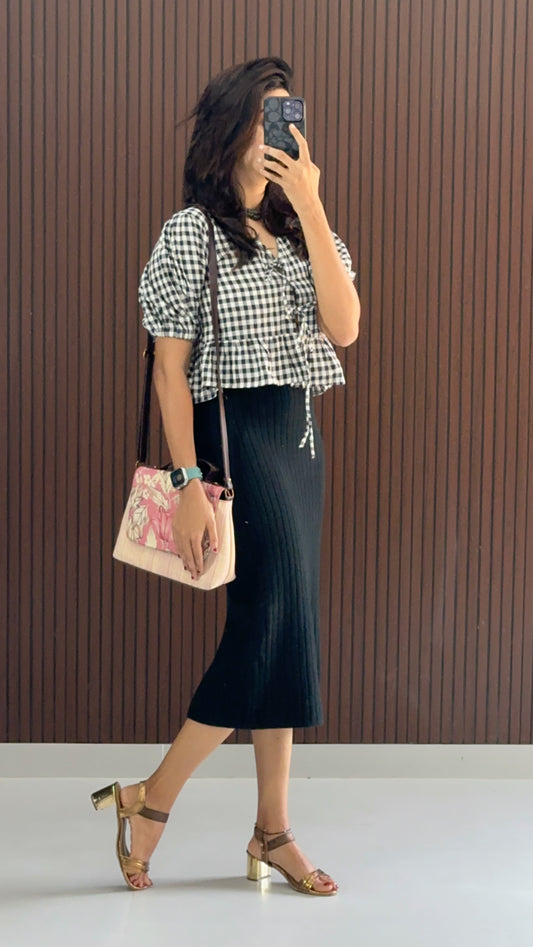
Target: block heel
256,869
105,797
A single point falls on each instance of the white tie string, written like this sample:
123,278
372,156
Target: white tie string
309,432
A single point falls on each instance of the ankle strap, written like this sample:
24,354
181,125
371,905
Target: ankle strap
154,814
139,808
267,845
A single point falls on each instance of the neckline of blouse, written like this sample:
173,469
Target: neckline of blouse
279,245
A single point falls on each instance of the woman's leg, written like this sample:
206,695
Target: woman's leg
193,744
272,759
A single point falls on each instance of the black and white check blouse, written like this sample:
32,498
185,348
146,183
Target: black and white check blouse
267,308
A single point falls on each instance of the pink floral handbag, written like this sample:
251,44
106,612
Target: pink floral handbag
145,537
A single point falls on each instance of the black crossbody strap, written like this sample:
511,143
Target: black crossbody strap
149,352
144,420
213,288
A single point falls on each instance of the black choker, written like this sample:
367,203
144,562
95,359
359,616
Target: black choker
254,214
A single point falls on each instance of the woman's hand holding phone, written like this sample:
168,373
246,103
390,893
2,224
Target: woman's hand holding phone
298,178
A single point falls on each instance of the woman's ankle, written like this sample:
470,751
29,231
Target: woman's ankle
272,826
158,797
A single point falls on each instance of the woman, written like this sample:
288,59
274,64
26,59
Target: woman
285,294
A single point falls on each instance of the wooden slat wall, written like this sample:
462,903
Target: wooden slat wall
421,120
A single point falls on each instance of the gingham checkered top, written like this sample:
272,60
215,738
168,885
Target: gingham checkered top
269,333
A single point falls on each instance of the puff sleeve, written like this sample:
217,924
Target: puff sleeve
174,277
344,255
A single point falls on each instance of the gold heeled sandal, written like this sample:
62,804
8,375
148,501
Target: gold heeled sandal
258,868
111,794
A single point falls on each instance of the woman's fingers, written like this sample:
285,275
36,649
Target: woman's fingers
296,133
212,532
282,156
298,179
198,557
276,153
194,531
186,551
195,556
189,558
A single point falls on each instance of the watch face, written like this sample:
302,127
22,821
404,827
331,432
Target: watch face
178,477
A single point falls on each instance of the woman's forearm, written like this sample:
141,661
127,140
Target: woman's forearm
338,303
175,402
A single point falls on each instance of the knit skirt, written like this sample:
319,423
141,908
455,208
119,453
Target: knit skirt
266,670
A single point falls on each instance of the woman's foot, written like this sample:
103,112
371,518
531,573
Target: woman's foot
293,860
144,833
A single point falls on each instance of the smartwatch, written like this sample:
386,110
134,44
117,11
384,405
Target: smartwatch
181,476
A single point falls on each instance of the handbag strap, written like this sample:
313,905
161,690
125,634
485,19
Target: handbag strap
149,352
213,288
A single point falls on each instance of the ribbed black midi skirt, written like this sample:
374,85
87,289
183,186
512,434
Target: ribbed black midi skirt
266,670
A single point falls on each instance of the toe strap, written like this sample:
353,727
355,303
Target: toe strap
133,865
307,880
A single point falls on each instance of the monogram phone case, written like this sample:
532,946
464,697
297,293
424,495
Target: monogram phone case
279,113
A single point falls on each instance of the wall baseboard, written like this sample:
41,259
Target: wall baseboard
321,761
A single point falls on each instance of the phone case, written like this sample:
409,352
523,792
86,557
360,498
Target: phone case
276,129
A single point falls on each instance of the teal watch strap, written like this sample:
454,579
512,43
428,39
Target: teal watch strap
181,476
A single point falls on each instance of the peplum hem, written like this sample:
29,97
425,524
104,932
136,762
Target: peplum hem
278,359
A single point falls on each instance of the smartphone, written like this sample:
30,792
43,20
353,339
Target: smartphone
279,112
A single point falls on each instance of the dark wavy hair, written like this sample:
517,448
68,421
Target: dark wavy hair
226,117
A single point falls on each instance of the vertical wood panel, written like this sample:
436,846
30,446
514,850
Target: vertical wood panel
420,118
24,357
5,603
523,591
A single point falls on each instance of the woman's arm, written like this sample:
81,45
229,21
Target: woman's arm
339,308
194,514
171,363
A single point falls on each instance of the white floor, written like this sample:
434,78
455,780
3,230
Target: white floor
419,863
